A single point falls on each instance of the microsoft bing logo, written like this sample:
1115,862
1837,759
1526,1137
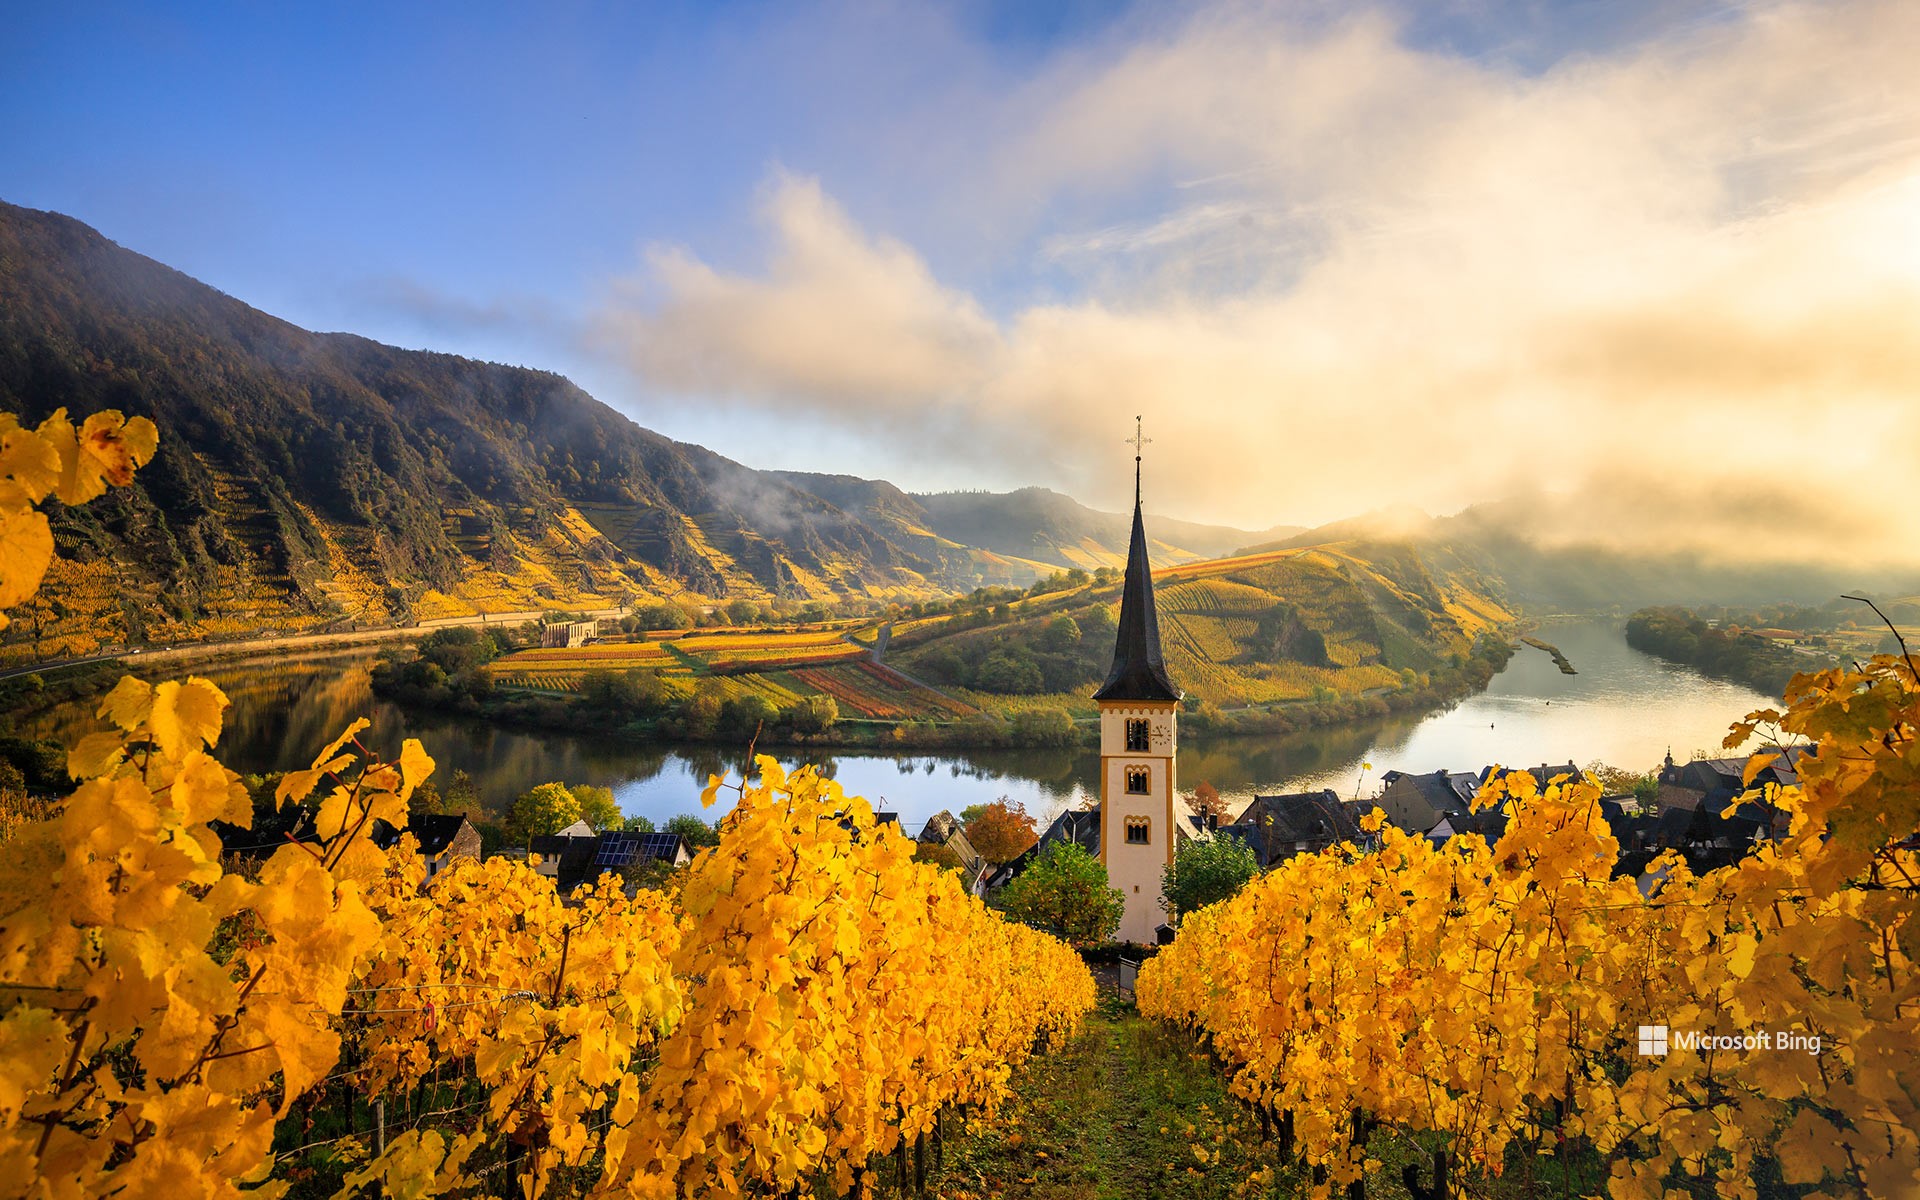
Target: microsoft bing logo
1653,1040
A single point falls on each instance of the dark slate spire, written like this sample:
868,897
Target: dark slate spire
1139,671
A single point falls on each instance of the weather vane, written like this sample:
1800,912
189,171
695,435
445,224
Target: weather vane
1138,440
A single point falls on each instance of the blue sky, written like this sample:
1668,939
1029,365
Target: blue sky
952,245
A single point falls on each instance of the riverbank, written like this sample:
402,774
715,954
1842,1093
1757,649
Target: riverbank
636,707
1624,708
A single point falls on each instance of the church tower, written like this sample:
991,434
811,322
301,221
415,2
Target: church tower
1139,792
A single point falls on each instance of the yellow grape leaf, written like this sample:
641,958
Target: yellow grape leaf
415,765
95,755
306,1050
26,547
185,716
1755,765
298,785
388,807
334,816
33,1044
29,465
333,747
1740,960
128,704
104,450
206,791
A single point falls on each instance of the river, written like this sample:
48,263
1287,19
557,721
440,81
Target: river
1624,708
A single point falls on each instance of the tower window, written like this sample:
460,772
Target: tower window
1138,733
1137,781
1139,831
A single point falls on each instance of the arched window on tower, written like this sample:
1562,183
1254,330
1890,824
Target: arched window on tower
1139,781
1139,735
1139,831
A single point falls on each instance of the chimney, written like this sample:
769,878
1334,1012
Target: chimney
1213,822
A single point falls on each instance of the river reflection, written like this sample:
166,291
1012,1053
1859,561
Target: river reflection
1623,707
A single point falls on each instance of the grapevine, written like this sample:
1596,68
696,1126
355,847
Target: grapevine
1488,999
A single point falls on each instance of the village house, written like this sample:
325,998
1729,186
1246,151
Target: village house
444,839
944,829
572,859
1418,802
1707,810
1279,827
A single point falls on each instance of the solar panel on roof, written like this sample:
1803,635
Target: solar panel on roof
617,850
659,845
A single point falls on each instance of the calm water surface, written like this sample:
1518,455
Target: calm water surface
1624,708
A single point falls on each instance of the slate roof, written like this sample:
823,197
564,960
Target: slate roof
1139,670
1300,817
1446,791
434,831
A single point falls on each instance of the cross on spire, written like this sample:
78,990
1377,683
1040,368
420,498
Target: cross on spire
1138,440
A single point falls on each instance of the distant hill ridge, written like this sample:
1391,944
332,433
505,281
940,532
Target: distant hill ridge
1489,541
306,480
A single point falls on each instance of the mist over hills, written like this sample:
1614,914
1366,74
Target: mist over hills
1499,540
307,479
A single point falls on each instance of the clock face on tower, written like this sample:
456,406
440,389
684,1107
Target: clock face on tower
1162,739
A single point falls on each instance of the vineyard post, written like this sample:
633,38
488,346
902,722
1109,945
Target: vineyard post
380,1126
1410,1176
1357,1190
920,1164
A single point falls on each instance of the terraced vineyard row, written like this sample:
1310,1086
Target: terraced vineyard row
870,690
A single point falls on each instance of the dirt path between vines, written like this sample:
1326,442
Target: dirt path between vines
1127,1110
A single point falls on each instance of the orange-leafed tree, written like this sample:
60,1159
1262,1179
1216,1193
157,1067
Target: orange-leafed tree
1002,831
1207,801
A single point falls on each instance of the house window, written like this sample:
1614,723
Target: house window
1139,831
1138,733
1137,778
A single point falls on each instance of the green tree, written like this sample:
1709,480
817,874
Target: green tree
546,809
1043,727
744,716
462,795
458,648
1061,634
1205,871
1065,890
694,831
662,616
811,715
623,693
1010,672
598,807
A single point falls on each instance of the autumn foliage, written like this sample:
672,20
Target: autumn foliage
1002,831
1489,998
808,1000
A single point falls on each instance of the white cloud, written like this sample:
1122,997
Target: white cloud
837,318
1357,273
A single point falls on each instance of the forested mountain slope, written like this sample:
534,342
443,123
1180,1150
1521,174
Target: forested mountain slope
309,480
